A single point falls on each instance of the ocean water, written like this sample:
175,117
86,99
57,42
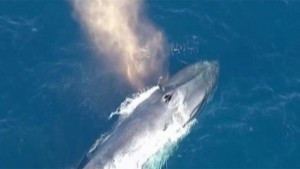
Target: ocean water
55,97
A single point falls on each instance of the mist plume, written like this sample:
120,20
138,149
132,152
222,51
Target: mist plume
126,40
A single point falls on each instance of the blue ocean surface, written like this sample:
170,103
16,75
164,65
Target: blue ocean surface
55,97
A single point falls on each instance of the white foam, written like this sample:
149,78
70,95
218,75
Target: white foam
130,103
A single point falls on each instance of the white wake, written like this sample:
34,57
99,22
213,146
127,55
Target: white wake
130,103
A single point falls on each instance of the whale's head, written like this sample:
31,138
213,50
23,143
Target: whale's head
191,86
176,101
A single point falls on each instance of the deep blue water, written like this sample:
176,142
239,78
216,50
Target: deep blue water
55,97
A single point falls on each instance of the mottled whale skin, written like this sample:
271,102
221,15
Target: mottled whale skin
193,85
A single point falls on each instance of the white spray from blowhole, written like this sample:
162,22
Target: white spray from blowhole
130,45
